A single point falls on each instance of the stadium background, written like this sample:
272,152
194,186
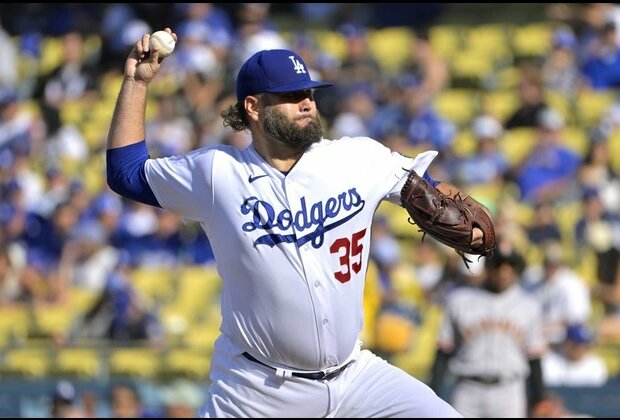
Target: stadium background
52,147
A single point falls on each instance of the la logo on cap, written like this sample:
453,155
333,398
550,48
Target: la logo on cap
297,66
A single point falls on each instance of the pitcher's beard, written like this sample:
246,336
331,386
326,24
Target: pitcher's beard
278,127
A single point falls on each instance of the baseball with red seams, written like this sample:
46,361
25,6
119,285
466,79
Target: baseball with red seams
164,42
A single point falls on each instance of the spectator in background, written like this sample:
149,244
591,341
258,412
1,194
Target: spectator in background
560,71
119,313
64,404
126,403
549,171
599,231
575,364
531,100
601,67
429,68
12,262
181,399
544,227
357,110
359,68
561,293
596,171
75,78
87,259
20,132
487,165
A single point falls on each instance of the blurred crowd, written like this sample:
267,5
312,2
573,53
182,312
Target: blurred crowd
535,137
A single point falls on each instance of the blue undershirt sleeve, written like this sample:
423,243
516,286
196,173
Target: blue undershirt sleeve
126,175
430,180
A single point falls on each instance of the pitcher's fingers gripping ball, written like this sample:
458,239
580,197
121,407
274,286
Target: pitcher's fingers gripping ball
450,220
163,42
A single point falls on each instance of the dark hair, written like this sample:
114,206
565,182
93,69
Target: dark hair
235,117
511,258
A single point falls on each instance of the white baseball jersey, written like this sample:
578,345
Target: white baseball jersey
494,333
292,250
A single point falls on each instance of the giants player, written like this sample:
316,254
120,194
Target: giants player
289,220
493,336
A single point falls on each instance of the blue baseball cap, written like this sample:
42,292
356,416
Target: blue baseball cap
578,333
274,71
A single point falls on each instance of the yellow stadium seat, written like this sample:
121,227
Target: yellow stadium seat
464,143
391,47
419,358
189,363
468,64
138,362
372,303
490,40
202,336
576,139
153,282
507,77
591,106
406,285
532,40
457,105
614,150
28,362
500,103
398,220
110,86
331,42
78,362
14,324
80,300
517,143
54,320
394,333
562,104
611,356
446,40
51,55
73,112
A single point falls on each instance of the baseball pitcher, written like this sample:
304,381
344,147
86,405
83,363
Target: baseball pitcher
289,221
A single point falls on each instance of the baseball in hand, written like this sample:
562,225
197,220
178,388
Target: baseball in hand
164,42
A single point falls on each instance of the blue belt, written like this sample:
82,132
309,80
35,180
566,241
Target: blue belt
315,376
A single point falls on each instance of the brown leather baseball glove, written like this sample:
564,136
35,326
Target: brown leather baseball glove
450,220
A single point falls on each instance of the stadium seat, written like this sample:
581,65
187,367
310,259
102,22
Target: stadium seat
590,106
190,363
561,103
51,55
202,336
614,150
471,65
446,40
464,143
331,42
490,40
457,105
84,363
419,358
576,139
53,320
155,283
135,362
27,362
391,47
500,103
532,40
14,324
517,143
